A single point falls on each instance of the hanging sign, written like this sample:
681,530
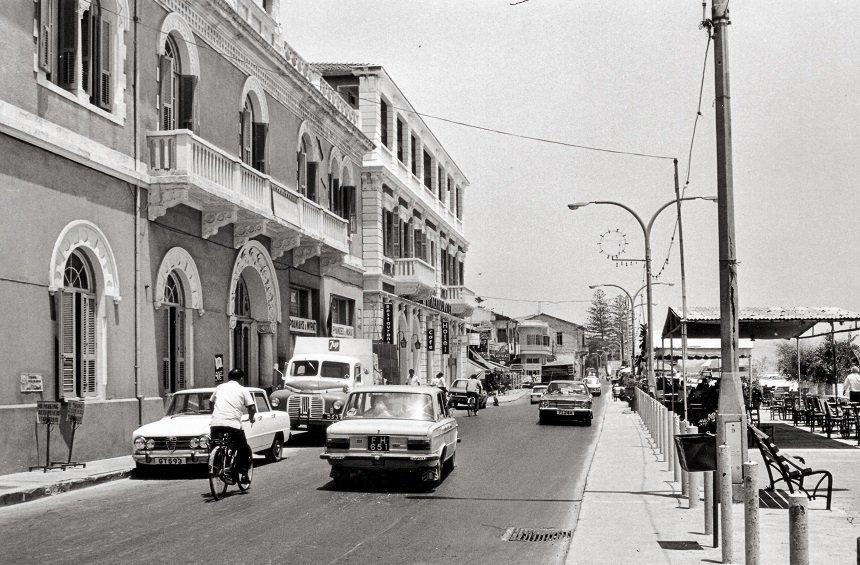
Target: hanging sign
339,330
431,339
303,326
47,412
31,382
219,368
388,322
446,346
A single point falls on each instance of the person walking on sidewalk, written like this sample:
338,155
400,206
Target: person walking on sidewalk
851,388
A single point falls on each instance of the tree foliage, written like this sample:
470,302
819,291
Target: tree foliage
599,321
816,361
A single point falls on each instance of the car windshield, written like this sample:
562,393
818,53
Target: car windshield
335,370
389,406
592,380
459,383
304,368
539,389
566,388
190,403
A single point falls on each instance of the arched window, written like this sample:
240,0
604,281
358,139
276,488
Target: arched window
252,136
170,87
242,331
307,169
77,328
173,360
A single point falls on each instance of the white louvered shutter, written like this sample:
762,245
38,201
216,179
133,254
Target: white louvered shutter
87,37
104,74
88,345
165,69
245,124
47,11
180,349
66,384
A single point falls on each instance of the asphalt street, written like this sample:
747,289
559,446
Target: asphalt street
510,472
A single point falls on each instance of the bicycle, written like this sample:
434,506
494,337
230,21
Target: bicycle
472,406
223,470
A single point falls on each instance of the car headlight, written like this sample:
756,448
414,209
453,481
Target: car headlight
193,443
203,441
150,443
275,402
337,405
544,403
139,442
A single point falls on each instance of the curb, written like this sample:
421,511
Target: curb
35,493
507,400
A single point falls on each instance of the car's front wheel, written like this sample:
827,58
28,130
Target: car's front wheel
276,451
448,466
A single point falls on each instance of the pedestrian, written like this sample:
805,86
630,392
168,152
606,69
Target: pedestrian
851,388
439,382
413,378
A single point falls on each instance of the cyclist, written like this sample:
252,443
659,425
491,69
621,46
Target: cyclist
439,382
227,402
473,388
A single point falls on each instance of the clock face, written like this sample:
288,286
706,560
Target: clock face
613,244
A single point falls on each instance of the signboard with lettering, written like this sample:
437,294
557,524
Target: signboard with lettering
431,339
334,345
303,326
76,411
31,382
388,322
339,330
219,367
445,338
47,412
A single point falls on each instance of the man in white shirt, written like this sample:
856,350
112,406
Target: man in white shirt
851,388
229,401
413,378
439,382
473,390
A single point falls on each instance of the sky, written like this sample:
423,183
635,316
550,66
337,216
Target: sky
626,76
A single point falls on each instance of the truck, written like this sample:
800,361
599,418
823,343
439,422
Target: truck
318,377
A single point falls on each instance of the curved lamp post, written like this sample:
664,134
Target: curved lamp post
646,231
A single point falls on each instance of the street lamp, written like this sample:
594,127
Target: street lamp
646,231
632,299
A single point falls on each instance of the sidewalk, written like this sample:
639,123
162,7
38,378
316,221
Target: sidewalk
631,503
24,487
511,396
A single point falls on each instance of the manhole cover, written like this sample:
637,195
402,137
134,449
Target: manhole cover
679,545
535,534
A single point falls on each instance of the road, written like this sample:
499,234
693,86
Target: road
510,472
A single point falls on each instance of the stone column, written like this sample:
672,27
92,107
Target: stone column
266,331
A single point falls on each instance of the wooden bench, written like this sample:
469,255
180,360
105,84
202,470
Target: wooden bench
783,469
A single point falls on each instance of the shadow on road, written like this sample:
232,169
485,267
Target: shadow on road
382,483
180,472
306,439
494,499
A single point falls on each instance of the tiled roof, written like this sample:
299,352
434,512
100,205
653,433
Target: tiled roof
772,313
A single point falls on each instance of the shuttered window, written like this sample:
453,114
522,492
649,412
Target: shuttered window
246,148
77,330
173,342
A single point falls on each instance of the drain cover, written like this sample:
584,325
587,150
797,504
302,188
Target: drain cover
535,534
680,545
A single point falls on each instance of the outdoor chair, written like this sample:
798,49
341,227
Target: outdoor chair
753,415
815,414
784,469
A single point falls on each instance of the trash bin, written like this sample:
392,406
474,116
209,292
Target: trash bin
697,452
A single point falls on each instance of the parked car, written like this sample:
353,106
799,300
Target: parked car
568,400
458,398
392,428
181,437
536,393
593,385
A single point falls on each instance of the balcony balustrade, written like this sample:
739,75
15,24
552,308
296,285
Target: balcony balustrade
461,299
414,277
185,169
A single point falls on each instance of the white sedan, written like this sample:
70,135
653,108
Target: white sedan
536,393
393,428
182,436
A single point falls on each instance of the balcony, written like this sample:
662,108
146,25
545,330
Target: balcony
413,277
535,349
461,299
185,169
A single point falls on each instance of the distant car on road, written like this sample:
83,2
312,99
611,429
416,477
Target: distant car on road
593,385
181,437
536,393
566,400
457,394
393,428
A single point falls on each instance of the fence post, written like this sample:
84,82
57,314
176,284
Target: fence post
685,476
670,444
709,503
693,482
798,529
676,429
751,523
725,477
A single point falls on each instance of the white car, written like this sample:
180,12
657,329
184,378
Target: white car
593,384
181,437
536,393
393,428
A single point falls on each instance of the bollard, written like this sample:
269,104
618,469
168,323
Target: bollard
751,524
693,482
684,475
798,530
725,477
670,443
709,503
676,429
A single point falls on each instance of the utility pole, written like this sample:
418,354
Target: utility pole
683,295
731,419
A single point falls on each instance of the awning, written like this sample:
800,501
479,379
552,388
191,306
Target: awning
485,364
755,322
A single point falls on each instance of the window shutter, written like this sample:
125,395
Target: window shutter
46,35
66,384
165,374
349,192
245,133
187,90
312,181
396,239
180,349
259,146
87,38
165,361
67,43
165,70
104,77
88,345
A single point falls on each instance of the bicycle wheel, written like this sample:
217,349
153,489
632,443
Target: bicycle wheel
472,407
242,484
217,461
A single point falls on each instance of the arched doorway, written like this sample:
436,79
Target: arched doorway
242,329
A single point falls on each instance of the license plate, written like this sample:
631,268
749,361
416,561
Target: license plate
566,412
169,461
377,443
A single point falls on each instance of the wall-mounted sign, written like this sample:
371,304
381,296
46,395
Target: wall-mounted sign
474,339
339,330
446,344
303,326
31,382
436,304
47,412
219,367
388,322
75,414
431,339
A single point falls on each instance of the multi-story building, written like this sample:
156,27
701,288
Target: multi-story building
179,189
567,339
535,349
414,245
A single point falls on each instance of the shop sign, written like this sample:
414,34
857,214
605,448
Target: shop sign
431,339
303,326
219,367
485,340
334,345
388,322
436,304
445,338
76,411
47,412
474,339
31,382
339,330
